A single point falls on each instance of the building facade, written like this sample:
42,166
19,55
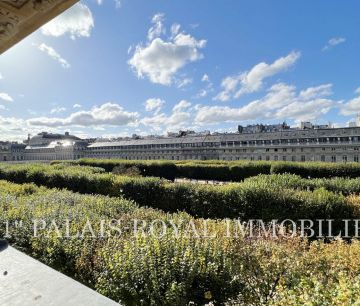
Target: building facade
326,144
269,143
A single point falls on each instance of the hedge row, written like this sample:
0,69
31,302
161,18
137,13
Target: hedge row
317,169
206,170
340,185
256,199
225,171
176,270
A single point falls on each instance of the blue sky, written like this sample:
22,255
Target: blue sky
117,67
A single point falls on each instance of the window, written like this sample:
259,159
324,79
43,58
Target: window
333,159
276,157
293,158
267,157
284,158
356,158
344,158
303,158
322,158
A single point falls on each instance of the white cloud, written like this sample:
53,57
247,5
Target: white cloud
305,110
318,91
106,114
202,93
209,87
154,104
54,55
280,102
351,107
6,97
334,42
12,128
76,21
179,118
117,3
175,29
357,90
183,104
77,105
157,28
205,78
57,110
252,81
184,82
1,76
161,59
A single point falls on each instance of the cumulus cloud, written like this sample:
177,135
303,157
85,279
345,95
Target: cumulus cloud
54,55
179,118
106,114
154,104
351,107
318,91
77,105
6,97
13,129
77,21
332,42
160,59
183,104
252,81
280,102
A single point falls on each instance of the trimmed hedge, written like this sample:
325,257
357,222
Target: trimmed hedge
164,169
225,170
317,169
171,270
256,199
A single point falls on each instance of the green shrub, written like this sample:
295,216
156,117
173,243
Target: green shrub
317,169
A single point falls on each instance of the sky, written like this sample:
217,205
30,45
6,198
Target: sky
113,68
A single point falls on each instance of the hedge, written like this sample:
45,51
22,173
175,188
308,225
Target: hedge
256,199
172,270
164,169
317,169
225,170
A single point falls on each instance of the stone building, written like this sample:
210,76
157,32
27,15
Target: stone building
48,146
315,144
318,143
